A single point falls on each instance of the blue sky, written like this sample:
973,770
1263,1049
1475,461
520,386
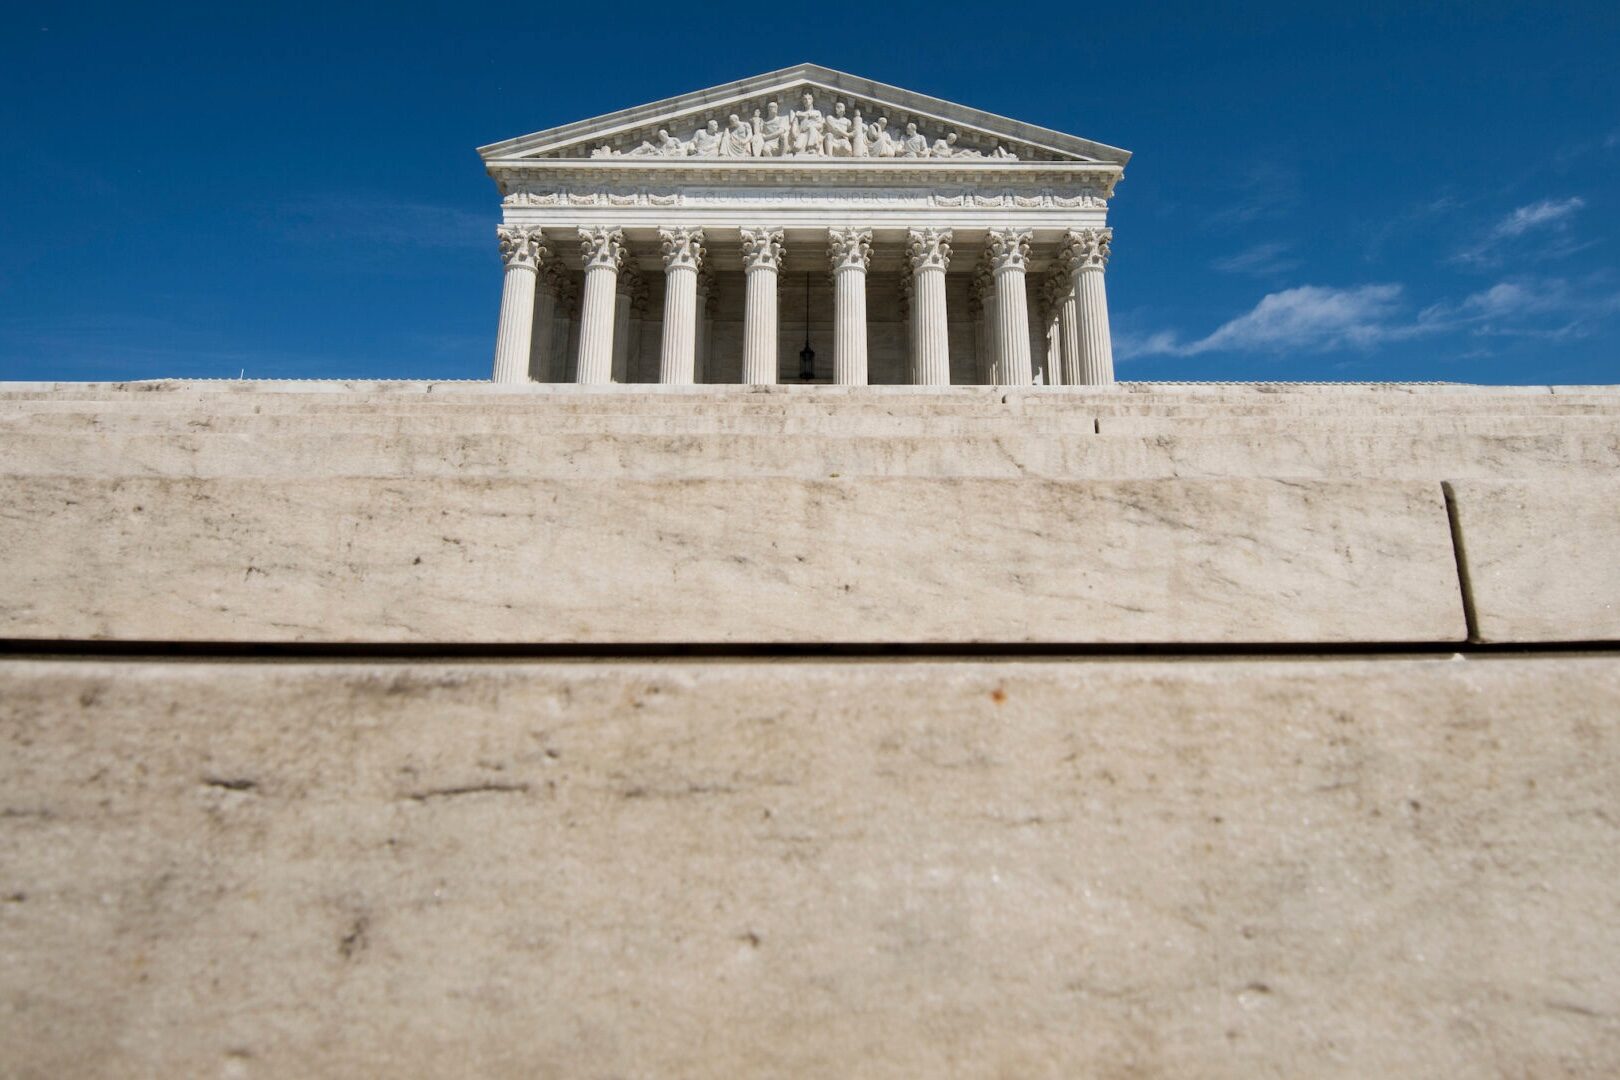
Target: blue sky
292,191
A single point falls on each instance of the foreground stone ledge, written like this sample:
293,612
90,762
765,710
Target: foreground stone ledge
1543,558
766,559
1216,869
1324,456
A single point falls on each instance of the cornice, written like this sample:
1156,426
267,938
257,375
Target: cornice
856,172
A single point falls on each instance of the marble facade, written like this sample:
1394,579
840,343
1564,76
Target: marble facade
711,237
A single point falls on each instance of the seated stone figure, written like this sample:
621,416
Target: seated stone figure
706,140
738,140
840,140
914,145
770,132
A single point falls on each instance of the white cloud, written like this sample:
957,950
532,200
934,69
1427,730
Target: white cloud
1317,318
1546,222
1308,317
1529,217
1260,260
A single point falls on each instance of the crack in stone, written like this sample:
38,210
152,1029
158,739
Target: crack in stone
467,789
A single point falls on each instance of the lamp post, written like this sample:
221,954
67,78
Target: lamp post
807,355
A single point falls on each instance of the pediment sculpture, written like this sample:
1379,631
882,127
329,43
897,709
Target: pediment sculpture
801,133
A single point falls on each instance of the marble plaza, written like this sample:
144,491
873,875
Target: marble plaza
804,226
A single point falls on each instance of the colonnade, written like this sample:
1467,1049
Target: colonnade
1080,350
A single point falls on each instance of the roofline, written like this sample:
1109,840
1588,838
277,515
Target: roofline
832,80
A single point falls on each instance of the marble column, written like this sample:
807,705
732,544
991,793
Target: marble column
850,251
929,253
983,286
562,327
522,250
623,317
545,313
762,259
1009,256
903,298
1051,308
707,300
1086,252
683,257
604,254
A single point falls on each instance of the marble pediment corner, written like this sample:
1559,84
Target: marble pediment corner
806,115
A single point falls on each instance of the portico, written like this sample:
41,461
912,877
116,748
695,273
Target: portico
912,240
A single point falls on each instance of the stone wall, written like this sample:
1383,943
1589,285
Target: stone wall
434,728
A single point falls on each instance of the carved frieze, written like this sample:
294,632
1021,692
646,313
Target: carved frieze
759,195
805,132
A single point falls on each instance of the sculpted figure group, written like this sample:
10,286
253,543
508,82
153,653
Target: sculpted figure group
803,132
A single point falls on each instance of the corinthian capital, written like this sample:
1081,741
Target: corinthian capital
929,249
1009,249
682,247
1086,249
849,248
602,247
521,245
762,249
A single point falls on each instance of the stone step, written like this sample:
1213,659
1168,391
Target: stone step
1099,868
474,423
767,407
1322,456
861,559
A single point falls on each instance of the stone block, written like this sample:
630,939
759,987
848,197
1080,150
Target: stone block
335,452
1542,558
752,560
1142,868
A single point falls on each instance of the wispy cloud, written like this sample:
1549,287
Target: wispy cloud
1260,260
1547,222
1318,318
1550,308
1307,318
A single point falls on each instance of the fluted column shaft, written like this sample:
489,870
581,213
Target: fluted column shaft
705,324
1068,310
521,251
1087,252
762,259
1054,338
545,312
604,255
850,251
930,255
1009,254
683,257
621,327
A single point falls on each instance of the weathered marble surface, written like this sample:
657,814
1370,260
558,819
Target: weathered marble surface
1213,869
1010,456
765,559
1543,558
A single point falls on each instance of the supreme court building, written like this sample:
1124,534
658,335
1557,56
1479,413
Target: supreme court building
804,226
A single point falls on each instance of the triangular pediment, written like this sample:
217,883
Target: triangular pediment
736,120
